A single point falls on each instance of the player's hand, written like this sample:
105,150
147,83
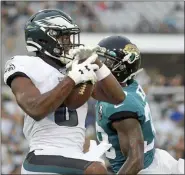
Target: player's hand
82,52
81,73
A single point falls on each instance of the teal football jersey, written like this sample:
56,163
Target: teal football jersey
134,102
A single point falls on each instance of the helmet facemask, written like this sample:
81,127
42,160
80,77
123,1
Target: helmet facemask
65,39
120,63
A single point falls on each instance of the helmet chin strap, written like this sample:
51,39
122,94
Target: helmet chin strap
37,47
131,75
64,60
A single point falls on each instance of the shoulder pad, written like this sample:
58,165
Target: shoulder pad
17,64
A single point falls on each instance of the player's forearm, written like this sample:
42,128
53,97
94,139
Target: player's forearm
109,85
112,89
48,102
131,166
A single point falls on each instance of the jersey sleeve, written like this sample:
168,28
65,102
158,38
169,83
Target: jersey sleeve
127,109
14,68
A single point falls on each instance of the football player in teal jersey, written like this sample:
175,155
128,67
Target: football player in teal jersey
128,126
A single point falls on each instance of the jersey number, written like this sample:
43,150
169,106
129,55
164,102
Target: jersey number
66,117
102,136
148,117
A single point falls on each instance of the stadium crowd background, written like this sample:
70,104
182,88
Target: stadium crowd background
164,86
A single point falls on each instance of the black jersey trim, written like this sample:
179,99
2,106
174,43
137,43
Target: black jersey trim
55,164
122,115
13,76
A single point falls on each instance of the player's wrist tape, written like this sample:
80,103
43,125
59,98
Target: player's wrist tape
102,73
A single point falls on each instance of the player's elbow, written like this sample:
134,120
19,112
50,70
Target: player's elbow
118,99
31,108
36,111
36,115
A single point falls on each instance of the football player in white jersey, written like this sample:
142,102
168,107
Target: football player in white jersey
40,84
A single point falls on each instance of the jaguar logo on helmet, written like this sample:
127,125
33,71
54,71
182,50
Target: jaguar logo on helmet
133,51
131,48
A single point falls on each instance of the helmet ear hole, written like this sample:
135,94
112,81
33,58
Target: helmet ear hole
43,41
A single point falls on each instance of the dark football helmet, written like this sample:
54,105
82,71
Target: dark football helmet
121,56
50,32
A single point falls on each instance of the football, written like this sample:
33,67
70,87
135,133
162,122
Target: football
79,95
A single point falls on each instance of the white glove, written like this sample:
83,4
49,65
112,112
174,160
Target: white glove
97,151
84,72
82,52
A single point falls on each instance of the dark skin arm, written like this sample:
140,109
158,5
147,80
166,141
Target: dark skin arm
131,144
108,89
38,105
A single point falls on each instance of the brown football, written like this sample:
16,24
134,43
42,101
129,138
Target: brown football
79,95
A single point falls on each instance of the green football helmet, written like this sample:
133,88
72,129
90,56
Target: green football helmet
53,33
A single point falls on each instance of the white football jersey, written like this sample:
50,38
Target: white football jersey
61,129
